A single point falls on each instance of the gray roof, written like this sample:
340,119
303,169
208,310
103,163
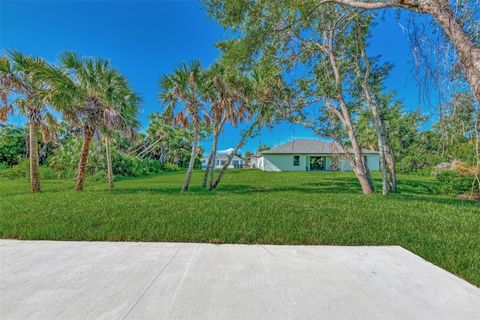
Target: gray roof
223,156
310,146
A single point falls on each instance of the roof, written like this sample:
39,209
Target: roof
223,156
310,146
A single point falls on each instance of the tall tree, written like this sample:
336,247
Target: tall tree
224,93
84,87
301,35
185,87
367,82
19,82
265,98
121,98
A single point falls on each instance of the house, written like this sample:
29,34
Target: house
221,158
254,162
310,155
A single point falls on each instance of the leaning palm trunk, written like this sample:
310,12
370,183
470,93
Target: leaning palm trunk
108,152
82,164
191,164
207,169
244,137
34,161
214,158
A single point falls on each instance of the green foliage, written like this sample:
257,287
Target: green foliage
453,182
171,167
131,166
170,143
12,145
65,158
22,171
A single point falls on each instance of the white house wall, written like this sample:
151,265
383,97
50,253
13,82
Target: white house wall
284,162
373,162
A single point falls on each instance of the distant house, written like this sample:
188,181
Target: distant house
309,155
254,163
221,158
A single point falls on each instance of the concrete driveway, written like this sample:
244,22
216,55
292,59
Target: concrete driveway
105,280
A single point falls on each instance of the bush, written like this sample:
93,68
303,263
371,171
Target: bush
65,158
22,171
12,145
4,165
127,165
169,167
453,182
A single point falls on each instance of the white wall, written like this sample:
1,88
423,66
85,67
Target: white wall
284,162
373,162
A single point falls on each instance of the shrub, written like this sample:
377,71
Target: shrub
128,165
4,165
12,145
170,167
22,171
65,158
454,182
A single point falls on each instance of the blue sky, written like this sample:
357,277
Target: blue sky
146,39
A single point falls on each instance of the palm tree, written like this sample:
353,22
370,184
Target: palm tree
265,97
88,91
223,91
125,101
20,82
186,86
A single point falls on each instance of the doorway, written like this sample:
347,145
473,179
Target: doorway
317,163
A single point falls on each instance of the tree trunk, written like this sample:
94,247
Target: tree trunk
391,168
191,164
34,161
214,158
108,152
244,137
207,169
87,139
359,165
381,153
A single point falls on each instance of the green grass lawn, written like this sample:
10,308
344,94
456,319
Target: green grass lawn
252,207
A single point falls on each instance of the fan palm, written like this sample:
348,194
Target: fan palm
185,87
90,92
224,91
22,90
264,95
125,101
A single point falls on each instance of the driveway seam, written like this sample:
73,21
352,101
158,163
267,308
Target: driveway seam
151,283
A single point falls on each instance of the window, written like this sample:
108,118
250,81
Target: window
296,161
